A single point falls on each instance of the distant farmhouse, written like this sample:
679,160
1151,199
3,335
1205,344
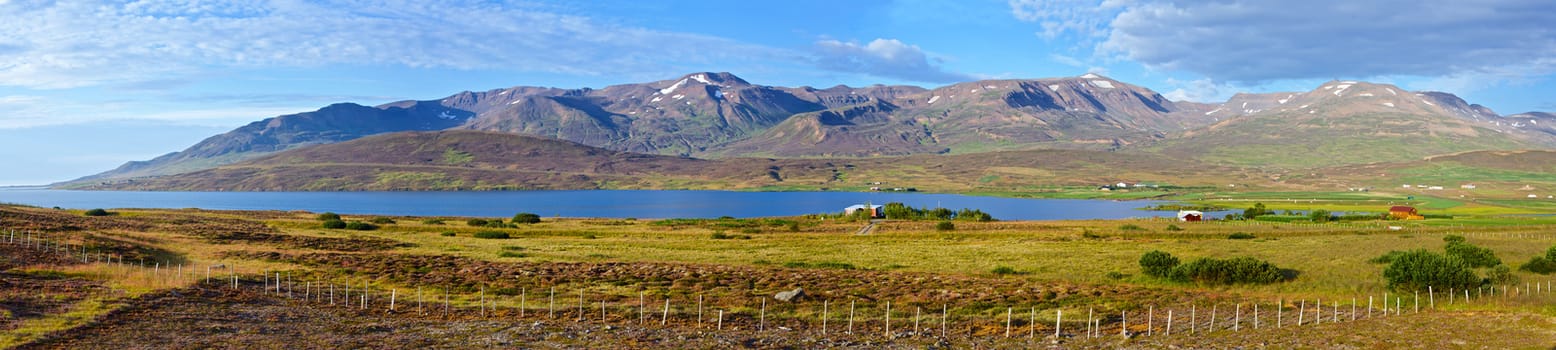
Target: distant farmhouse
1190,215
874,210
1402,212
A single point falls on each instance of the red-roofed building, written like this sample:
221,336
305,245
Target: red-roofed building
1401,212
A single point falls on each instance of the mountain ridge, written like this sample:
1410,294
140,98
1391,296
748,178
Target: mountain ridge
709,114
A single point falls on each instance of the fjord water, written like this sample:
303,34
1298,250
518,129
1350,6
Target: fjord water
593,203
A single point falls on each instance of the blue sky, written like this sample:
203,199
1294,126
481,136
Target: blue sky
88,85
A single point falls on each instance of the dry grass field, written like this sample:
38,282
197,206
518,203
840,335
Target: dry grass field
660,283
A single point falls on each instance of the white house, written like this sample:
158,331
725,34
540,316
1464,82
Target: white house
1190,215
1467,186
875,210
1435,188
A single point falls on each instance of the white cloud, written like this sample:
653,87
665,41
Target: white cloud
25,111
888,58
87,43
1198,90
1250,41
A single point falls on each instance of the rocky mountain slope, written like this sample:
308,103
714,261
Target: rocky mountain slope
715,115
1345,122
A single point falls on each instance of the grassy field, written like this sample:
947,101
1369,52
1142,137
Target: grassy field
979,268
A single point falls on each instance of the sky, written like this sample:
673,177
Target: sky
87,85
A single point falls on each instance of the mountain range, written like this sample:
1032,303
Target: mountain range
721,116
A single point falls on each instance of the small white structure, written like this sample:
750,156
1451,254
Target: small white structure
875,210
1467,186
1438,188
1190,215
1531,195
1406,186
1121,185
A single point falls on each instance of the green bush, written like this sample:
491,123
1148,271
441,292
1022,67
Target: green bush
491,235
526,218
794,227
334,224
1550,254
447,234
512,255
1453,239
1320,215
476,222
1131,227
945,226
1418,269
98,212
1240,235
383,220
1256,211
1004,270
1540,265
1174,228
432,222
360,226
1229,271
1157,263
1472,255
1386,257
327,216
1501,275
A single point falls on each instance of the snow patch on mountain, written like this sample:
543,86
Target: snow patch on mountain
932,99
1053,87
668,90
1102,84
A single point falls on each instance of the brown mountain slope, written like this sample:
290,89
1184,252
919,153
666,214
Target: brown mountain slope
471,160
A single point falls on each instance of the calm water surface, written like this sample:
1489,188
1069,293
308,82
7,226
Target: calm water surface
598,203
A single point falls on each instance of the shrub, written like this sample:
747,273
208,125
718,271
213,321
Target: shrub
1453,239
98,212
945,226
432,222
1131,227
1228,271
512,255
1174,228
1004,270
491,235
526,218
1540,265
476,222
794,227
1472,255
1240,235
383,220
1501,275
1550,254
721,235
1320,215
973,215
1386,257
1116,275
334,224
447,234
327,216
1418,269
360,226
1256,211
1157,263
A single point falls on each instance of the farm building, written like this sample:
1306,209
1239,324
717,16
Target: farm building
1190,215
875,210
1402,212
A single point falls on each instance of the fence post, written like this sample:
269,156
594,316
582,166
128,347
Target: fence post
665,318
1007,322
851,316
393,294
888,318
1169,322
1058,316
